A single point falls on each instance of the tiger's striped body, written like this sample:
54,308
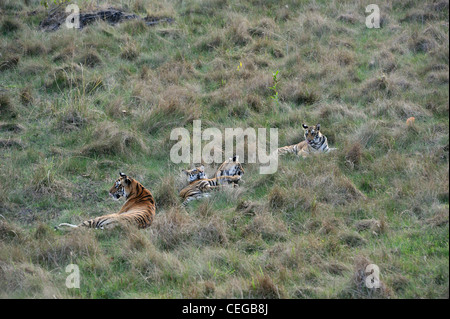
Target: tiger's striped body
200,188
315,142
139,209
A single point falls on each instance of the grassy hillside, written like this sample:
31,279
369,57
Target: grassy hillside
78,106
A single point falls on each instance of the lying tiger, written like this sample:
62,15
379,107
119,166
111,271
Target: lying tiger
315,142
139,209
195,174
200,188
230,167
229,172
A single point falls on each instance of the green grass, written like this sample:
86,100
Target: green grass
105,99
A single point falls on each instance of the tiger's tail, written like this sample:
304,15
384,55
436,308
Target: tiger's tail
66,225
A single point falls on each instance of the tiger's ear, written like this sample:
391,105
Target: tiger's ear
122,175
235,158
127,181
318,127
305,126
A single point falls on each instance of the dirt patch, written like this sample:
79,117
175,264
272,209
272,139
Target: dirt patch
57,17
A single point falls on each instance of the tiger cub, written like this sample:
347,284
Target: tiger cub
315,142
139,208
195,173
200,188
230,167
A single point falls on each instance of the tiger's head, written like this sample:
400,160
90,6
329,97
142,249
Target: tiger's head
312,133
195,173
232,167
122,187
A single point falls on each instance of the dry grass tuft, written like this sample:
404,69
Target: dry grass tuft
108,138
440,218
352,239
385,60
10,25
9,232
67,76
348,18
438,77
166,193
175,107
7,110
34,48
277,197
374,225
26,96
10,142
130,51
9,63
263,287
26,279
78,243
353,155
336,112
248,208
422,44
266,28
172,228
43,231
299,93
211,41
45,180
267,226
11,127
238,30
172,73
314,23
90,59
210,232
418,15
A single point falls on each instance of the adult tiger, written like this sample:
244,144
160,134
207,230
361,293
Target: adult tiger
200,188
139,209
315,142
